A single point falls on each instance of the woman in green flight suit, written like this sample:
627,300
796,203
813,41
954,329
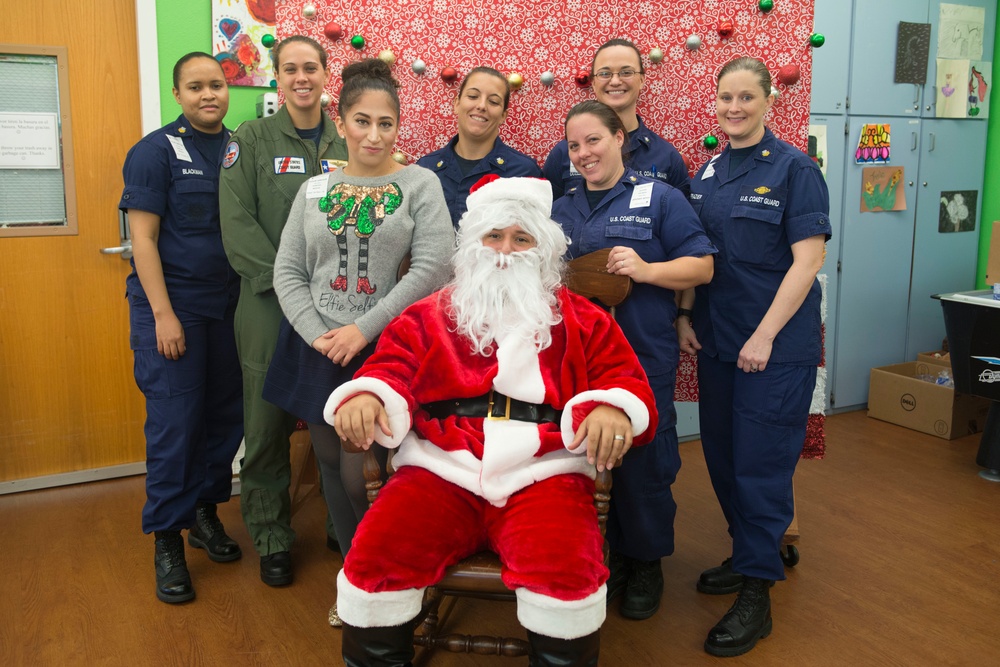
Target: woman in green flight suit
265,163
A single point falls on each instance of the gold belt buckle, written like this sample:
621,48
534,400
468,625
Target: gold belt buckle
489,414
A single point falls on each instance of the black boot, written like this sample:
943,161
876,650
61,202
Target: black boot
720,580
618,579
748,620
209,534
276,569
378,647
173,583
552,652
645,588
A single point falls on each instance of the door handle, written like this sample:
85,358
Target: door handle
125,250
913,141
933,142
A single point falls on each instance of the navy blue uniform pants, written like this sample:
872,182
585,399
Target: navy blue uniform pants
194,415
642,509
753,427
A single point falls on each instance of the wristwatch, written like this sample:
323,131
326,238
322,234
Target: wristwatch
685,312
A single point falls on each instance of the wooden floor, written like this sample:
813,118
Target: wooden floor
900,565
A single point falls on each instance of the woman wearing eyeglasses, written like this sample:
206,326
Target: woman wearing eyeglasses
618,77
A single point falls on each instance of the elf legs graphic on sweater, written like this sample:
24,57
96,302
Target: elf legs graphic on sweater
363,208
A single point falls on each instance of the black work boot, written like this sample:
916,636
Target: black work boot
209,534
618,579
748,620
276,569
552,652
378,647
644,590
173,583
720,580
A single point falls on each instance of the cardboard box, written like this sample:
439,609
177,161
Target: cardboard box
935,357
993,259
898,396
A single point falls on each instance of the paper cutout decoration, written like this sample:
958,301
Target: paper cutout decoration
913,46
958,211
960,31
817,146
238,29
952,88
882,189
980,82
873,144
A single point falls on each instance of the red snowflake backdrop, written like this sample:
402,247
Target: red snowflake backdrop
561,36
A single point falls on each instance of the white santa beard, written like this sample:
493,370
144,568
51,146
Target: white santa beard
494,294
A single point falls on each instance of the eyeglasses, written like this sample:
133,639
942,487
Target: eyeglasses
623,74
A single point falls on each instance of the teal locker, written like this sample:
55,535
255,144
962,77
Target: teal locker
875,261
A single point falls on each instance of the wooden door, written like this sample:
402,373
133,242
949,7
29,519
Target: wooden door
67,398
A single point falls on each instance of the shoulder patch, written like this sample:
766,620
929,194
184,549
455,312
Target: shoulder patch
232,154
331,165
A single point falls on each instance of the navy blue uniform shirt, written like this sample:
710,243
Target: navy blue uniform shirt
663,229
650,155
166,174
753,215
502,160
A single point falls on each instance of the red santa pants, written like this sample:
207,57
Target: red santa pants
546,536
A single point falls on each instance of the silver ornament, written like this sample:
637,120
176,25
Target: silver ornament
418,66
309,10
693,42
548,78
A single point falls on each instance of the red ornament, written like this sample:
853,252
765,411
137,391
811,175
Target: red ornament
333,31
582,78
789,74
449,75
726,29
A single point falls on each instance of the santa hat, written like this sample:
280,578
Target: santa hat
536,192
495,203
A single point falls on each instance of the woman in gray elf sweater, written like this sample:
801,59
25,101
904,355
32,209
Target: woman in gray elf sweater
336,272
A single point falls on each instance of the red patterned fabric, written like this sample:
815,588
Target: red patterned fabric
561,37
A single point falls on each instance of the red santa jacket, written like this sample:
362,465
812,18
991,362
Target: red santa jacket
419,359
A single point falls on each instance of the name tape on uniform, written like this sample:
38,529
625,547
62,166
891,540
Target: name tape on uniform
289,165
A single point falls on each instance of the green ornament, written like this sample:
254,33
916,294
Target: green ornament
766,5
711,143
974,111
817,40
358,42
267,41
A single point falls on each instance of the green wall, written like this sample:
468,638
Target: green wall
183,26
991,186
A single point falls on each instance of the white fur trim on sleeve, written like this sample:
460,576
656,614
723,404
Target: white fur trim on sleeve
400,418
626,401
386,609
562,619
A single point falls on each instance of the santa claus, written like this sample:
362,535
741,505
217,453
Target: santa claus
504,393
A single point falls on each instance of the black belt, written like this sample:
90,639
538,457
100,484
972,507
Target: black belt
494,406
